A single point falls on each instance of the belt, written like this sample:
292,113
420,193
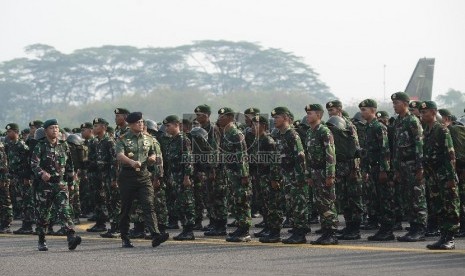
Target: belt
131,169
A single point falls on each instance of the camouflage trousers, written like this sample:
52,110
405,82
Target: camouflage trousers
171,198
86,192
107,198
53,194
443,200
160,204
381,198
240,199
198,180
349,184
271,203
298,200
217,196
325,200
461,186
6,208
74,200
24,198
415,192
256,204
184,201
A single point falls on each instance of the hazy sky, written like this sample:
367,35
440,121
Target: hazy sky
346,42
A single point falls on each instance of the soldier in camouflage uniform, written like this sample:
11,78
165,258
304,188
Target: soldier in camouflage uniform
256,204
408,167
440,176
321,173
52,165
348,176
102,162
120,119
292,169
233,156
179,158
136,151
87,191
18,161
266,159
6,208
375,168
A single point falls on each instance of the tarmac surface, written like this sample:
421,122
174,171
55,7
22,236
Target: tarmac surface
215,256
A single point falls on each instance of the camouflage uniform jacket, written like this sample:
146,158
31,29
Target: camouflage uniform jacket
102,155
53,159
178,154
3,163
292,153
376,148
438,149
260,153
18,158
233,151
408,141
321,150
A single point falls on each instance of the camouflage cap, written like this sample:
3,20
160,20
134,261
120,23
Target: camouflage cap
368,103
225,110
428,105
334,103
414,104
314,107
87,125
171,119
203,108
382,114
36,123
252,111
50,122
12,126
260,119
134,117
445,112
121,111
99,121
401,96
280,110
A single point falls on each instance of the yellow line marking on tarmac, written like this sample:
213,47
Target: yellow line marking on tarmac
212,241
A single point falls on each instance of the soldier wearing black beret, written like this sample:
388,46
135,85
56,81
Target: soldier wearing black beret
121,115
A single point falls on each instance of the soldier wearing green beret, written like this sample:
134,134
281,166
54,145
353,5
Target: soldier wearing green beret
383,117
136,151
292,170
408,166
348,177
440,175
87,189
19,173
233,157
179,159
265,158
53,167
103,165
321,172
6,211
414,108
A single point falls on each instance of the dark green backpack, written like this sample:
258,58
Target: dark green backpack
344,143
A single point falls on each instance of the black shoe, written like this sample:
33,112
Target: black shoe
383,234
260,225
263,233
287,223
185,235
73,241
314,220
42,245
232,224
273,237
397,226
234,233
319,231
242,235
216,232
5,230
198,226
208,227
297,237
370,226
416,233
349,235
432,232
158,239
126,243
97,228
110,234
61,232
50,231
328,238
173,226
445,242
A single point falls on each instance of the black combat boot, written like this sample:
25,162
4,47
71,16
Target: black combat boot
263,233
73,240
461,232
445,242
186,234
297,237
287,223
5,228
261,224
351,232
172,223
138,232
113,232
26,229
415,233
384,234
126,242
159,238
274,236
218,229
98,227
232,224
397,226
371,224
328,238
42,246
241,235
314,219
198,225
432,228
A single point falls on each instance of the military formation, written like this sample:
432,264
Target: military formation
375,170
